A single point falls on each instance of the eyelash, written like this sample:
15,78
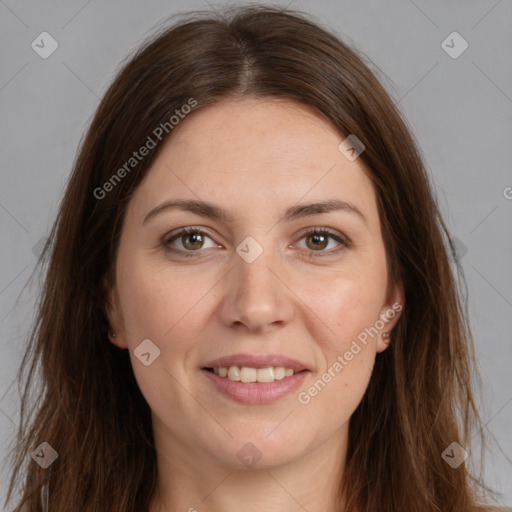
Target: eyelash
345,243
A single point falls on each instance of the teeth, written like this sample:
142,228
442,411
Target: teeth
265,375
279,373
247,374
234,373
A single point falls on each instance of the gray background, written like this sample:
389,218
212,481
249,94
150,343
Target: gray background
459,109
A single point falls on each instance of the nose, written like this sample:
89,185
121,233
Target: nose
256,296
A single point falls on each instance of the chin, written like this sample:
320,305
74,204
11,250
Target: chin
258,452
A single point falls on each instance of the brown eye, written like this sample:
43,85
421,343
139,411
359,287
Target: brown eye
187,241
318,241
192,241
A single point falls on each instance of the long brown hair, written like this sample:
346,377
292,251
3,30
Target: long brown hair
90,410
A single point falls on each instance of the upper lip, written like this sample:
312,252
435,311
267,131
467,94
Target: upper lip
257,361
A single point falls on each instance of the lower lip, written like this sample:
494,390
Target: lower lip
256,392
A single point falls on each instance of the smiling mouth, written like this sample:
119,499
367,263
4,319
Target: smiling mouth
248,374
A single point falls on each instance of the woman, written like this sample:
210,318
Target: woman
249,303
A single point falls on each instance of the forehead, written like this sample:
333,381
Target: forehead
255,155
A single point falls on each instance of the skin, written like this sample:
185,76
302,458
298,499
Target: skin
254,158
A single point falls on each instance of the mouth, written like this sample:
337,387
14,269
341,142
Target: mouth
251,374
255,379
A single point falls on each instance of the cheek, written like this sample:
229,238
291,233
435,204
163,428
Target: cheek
347,359
167,307
334,394
346,310
158,303
346,306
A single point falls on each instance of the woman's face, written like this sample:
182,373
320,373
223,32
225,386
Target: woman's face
254,286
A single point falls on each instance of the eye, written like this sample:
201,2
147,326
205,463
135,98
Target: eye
191,239
317,239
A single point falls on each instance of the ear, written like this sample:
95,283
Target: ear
390,314
112,309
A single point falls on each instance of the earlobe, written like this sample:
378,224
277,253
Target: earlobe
383,342
390,315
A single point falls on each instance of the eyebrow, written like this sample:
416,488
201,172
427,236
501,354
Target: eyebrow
212,211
